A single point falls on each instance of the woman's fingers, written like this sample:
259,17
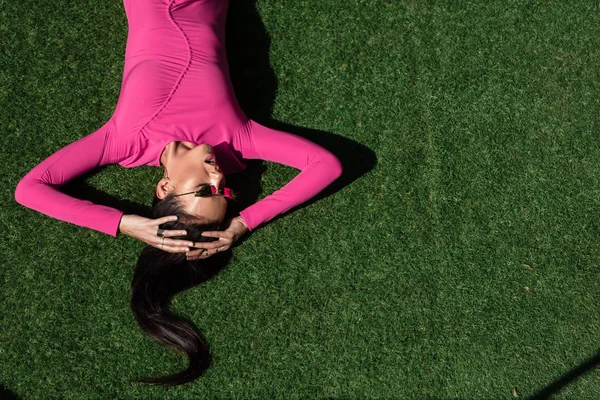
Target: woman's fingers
174,233
177,243
164,220
200,250
207,245
204,253
174,245
171,249
195,254
215,234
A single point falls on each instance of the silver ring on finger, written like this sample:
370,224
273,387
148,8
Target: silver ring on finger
160,233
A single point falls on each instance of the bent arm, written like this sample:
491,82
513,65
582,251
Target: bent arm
319,168
39,189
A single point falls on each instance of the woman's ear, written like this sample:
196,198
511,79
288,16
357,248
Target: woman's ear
163,188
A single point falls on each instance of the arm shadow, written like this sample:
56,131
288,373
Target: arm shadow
255,85
6,394
80,189
552,389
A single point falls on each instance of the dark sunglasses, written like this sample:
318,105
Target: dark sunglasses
210,191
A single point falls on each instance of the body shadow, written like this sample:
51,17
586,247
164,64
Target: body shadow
255,85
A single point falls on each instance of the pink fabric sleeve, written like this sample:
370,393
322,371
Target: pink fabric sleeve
319,168
39,188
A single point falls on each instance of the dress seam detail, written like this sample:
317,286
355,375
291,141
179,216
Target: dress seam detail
169,13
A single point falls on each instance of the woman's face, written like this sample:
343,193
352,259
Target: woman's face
189,167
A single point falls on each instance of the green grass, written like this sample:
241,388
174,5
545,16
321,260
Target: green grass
463,265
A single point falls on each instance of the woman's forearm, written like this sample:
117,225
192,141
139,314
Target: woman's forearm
310,182
319,168
40,188
46,199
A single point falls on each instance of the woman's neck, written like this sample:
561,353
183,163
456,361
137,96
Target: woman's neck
173,150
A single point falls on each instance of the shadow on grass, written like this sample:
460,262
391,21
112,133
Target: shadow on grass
6,394
255,86
245,183
80,189
552,389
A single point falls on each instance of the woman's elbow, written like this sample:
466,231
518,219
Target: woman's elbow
334,166
23,192
20,192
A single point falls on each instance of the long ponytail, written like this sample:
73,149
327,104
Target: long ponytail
158,277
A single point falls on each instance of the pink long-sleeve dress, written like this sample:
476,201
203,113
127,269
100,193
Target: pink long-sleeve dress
175,87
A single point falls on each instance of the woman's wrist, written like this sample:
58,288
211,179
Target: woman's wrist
123,224
240,220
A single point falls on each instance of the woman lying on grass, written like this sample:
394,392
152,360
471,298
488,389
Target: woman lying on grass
177,110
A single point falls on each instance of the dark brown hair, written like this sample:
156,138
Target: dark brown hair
158,277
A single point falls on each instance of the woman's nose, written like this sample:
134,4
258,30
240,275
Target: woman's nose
216,176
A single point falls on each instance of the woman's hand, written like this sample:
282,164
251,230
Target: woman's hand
145,229
236,228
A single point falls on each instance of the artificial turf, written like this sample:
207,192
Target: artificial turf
457,258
